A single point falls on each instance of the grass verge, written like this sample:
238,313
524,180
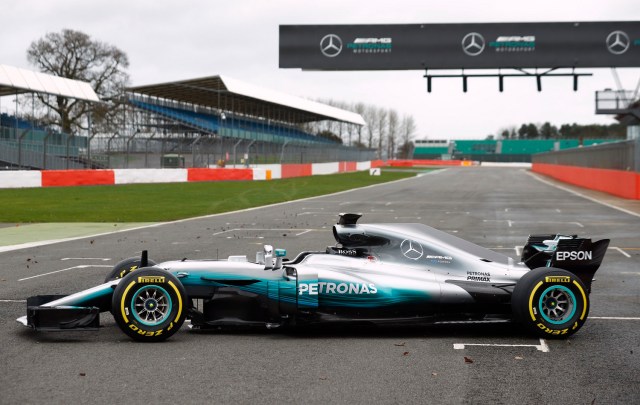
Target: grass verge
167,202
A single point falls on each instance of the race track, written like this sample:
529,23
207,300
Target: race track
497,363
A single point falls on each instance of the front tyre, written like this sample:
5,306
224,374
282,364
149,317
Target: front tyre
149,305
125,267
550,302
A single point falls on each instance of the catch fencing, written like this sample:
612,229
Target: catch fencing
152,150
623,155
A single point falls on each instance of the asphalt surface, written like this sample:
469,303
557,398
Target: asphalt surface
493,207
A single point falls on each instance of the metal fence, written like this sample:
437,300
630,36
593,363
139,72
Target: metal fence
14,156
155,150
28,148
624,155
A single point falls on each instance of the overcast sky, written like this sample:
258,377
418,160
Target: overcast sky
176,40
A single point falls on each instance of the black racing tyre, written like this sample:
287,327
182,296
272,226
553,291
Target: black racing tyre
125,267
149,305
550,302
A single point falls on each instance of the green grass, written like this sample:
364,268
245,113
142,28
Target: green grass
166,202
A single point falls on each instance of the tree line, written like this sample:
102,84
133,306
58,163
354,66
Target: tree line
386,131
565,131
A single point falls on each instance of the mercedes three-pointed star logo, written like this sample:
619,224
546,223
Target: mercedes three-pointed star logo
411,249
331,45
618,42
473,44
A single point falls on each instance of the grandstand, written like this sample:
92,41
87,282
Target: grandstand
488,150
432,149
217,119
205,102
201,122
24,143
210,122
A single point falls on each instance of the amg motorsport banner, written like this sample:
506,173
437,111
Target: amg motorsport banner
456,46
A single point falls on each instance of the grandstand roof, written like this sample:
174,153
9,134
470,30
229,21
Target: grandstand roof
223,92
15,80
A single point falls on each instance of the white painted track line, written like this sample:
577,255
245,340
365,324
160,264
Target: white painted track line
540,179
84,266
543,347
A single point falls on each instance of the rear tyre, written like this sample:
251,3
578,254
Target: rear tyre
125,267
551,303
149,305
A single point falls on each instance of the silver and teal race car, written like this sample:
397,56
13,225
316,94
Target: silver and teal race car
375,273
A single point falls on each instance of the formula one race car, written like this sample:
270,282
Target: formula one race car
376,273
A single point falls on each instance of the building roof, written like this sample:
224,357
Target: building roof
15,80
225,93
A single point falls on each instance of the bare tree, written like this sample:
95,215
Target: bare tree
392,132
74,55
330,125
381,128
407,130
360,108
370,116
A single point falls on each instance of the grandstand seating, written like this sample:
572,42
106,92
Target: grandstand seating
527,146
475,147
9,121
238,128
24,145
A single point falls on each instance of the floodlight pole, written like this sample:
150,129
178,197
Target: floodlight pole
109,149
15,133
193,150
89,139
44,149
146,150
234,151
248,150
282,152
69,137
129,144
26,131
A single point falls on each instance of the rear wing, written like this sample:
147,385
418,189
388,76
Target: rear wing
580,256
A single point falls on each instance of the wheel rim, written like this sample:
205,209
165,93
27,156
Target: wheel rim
151,305
557,304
